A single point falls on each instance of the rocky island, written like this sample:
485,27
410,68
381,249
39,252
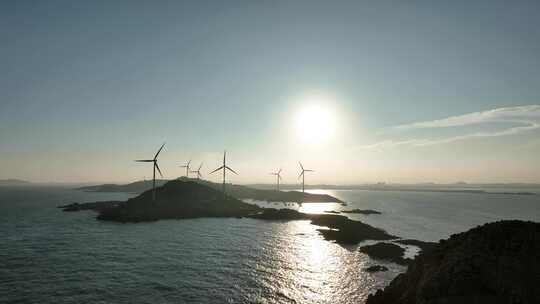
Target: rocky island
179,199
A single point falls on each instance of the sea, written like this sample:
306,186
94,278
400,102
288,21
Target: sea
50,256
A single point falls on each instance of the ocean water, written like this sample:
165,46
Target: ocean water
49,256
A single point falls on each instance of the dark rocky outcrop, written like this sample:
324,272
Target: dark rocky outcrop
280,214
332,211
386,251
95,206
342,229
360,211
495,263
376,268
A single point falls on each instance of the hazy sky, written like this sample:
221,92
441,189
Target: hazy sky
360,91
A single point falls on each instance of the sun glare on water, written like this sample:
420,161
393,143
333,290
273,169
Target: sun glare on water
315,124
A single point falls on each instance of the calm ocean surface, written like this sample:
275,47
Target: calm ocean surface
48,256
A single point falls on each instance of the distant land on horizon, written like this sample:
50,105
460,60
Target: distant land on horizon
462,187
237,191
14,182
435,187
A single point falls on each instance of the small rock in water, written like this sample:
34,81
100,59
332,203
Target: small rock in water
376,268
386,251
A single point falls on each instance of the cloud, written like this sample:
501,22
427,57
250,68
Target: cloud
525,117
510,114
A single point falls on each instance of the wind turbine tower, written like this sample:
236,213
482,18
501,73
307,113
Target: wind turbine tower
187,167
278,177
198,171
154,160
302,174
224,167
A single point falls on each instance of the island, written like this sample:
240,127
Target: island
180,199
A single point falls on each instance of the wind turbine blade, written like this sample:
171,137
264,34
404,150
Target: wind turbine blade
301,174
184,166
279,171
217,169
224,155
200,166
159,151
309,170
301,166
144,160
157,167
188,163
231,170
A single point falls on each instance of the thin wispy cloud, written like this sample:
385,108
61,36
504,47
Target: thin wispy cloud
523,118
509,114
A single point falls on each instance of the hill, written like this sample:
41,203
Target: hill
135,187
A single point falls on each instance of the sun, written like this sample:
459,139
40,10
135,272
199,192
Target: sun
315,124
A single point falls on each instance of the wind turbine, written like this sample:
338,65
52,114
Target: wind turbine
198,171
224,168
154,160
278,176
303,175
187,167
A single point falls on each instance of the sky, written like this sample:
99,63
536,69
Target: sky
359,91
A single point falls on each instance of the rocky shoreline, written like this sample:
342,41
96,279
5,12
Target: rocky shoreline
342,230
494,263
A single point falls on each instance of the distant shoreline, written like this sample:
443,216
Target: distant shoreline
402,188
118,188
